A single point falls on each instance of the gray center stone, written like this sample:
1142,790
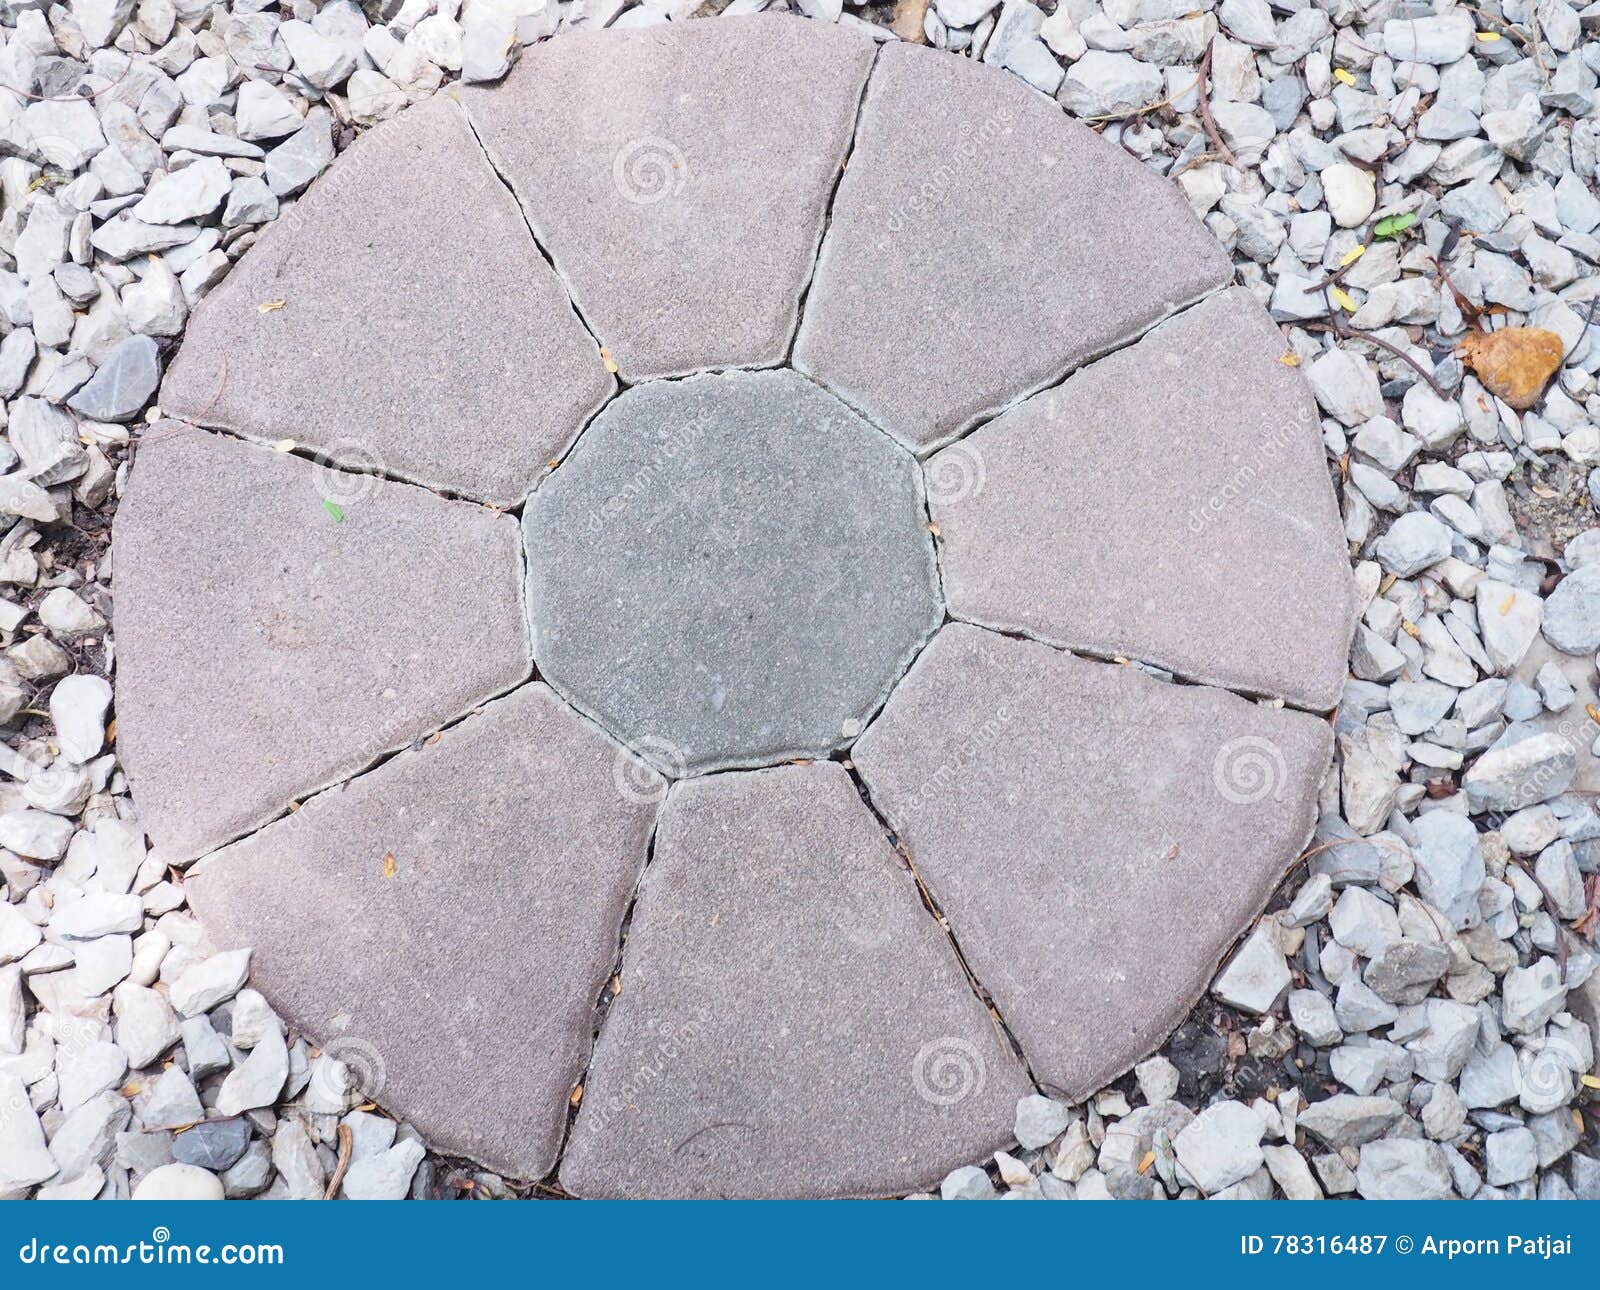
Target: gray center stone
730,570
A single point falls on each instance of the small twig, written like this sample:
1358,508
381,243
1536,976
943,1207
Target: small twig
1372,339
347,1144
1267,45
1204,108
1588,322
68,98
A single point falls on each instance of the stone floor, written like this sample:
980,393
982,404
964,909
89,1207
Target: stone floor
881,710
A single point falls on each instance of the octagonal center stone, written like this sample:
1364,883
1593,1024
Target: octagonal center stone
730,570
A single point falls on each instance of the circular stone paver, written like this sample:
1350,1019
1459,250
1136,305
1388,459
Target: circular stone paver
730,571
978,550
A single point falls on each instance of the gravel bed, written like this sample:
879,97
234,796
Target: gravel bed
1409,189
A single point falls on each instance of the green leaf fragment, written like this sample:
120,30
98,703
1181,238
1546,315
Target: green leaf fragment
335,510
1394,225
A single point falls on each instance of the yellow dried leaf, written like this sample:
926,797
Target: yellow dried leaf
933,527
1514,363
283,445
1591,1081
270,306
1539,490
1352,255
388,864
610,363
1149,1159
1594,713
577,1095
1411,629
1507,603
1343,77
1488,37
1291,359
1342,298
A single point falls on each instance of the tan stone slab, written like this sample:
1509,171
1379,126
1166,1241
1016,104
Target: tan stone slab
399,318
981,246
444,924
792,1021
679,177
1097,838
1169,503
266,650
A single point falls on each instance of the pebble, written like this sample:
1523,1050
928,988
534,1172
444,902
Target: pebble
1257,975
178,1182
1220,1146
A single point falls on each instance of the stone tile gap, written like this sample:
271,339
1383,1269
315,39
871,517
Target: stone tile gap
527,220
602,1005
931,903
382,759
827,215
1072,370
1167,677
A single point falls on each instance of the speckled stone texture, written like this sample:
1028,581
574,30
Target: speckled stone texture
730,570
791,1022
1096,838
981,246
384,354
683,207
464,984
1169,503
265,651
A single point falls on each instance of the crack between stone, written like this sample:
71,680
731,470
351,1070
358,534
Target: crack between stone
827,214
1062,375
529,677
604,999
1003,1030
538,245
1168,677
307,452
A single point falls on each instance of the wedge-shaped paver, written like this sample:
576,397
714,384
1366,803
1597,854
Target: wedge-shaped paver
266,650
399,317
1097,838
982,245
680,178
1169,503
730,570
444,924
792,1021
